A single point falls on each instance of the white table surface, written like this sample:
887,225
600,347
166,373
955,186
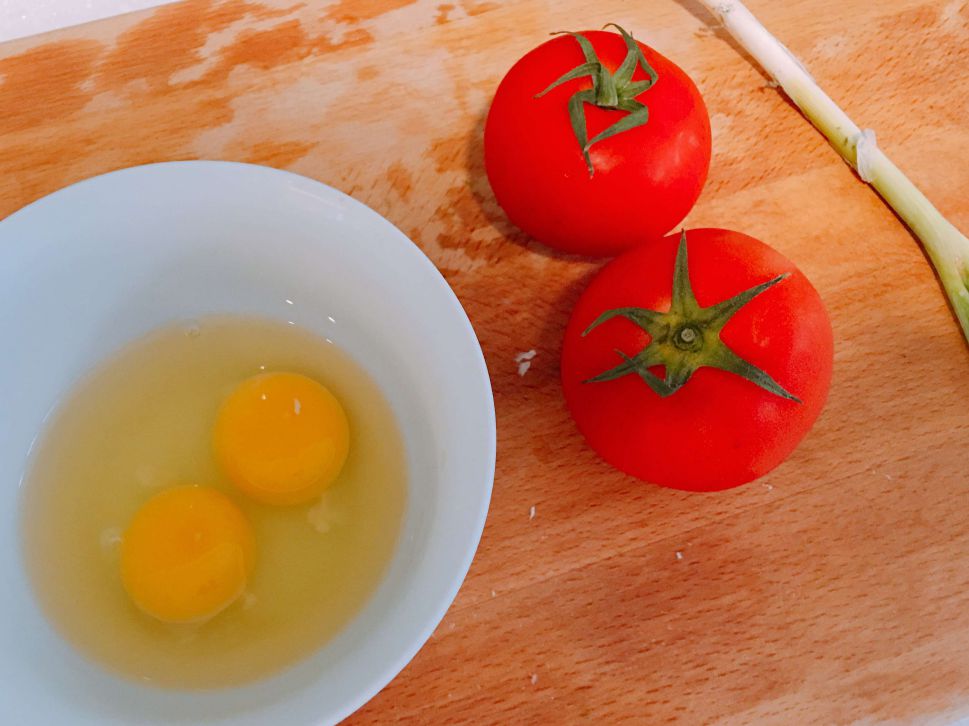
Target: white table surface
20,18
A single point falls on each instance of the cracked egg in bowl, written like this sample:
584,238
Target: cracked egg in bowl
249,449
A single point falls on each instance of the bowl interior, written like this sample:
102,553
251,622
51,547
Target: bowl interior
93,266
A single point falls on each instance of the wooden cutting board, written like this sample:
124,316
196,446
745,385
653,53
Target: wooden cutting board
837,588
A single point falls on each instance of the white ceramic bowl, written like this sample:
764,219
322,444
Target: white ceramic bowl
95,265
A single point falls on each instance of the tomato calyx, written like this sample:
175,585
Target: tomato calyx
687,337
613,91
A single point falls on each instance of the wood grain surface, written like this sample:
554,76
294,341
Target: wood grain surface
836,589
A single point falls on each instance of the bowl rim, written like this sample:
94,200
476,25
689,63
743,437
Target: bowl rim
382,675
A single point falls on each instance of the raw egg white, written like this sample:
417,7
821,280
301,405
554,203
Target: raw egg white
213,503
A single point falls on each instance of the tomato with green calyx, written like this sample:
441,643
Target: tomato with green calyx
698,362
596,142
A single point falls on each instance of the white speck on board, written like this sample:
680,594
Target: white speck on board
524,361
534,678
679,555
531,513
830,46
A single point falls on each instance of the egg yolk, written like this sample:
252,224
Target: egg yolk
187,554
282,438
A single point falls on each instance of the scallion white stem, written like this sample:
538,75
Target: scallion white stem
946,246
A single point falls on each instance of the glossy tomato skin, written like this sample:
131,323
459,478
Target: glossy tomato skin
719,430
646,179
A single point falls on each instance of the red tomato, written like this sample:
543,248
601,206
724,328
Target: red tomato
645,179
718,429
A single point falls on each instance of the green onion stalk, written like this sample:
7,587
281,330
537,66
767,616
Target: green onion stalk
947,247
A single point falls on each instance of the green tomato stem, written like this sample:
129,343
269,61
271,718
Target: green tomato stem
947,247
614,91
687,337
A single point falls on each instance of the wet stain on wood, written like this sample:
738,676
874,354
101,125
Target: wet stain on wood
776,611
354,11
60,69
280,154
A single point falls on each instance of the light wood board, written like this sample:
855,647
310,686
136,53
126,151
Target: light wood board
834,590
